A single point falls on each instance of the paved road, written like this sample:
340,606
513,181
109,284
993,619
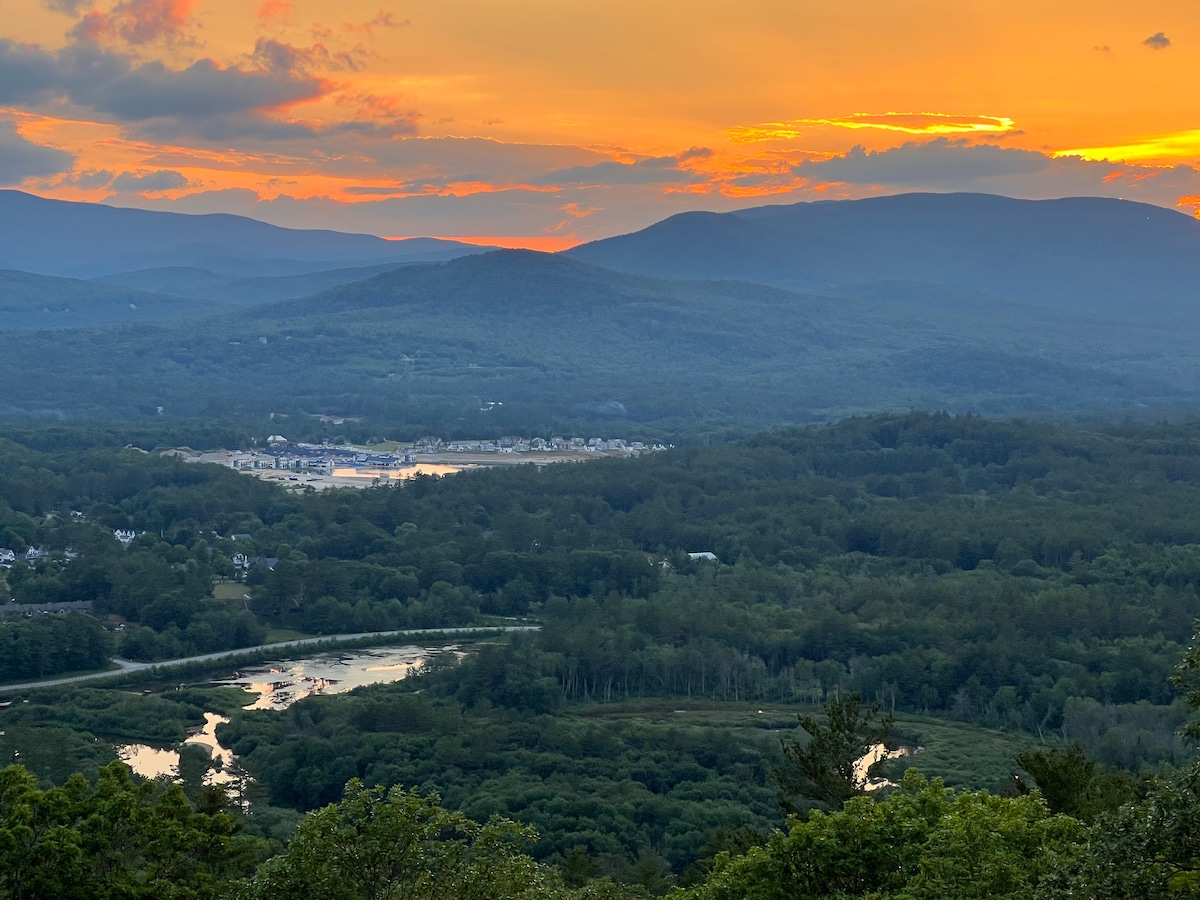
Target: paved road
126,666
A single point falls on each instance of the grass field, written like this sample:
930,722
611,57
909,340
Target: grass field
962,755
229,590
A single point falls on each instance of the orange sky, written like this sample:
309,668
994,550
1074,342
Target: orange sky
545,122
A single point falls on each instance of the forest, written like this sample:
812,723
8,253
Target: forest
1032,578
433,345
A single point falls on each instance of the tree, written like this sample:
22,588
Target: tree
120,838
1149,850
922,842
1073,784
399,844
828,768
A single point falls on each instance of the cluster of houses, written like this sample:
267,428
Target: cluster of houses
533,445
282,454
31,557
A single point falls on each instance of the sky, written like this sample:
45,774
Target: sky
545,123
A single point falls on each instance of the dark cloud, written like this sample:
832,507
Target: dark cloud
655,170
149,182
111,83
20,159
87,179
27,73
204,99
940,161
276,56
69,7
1157,41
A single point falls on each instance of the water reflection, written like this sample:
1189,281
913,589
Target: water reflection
150,762
862,767
224,772
279,686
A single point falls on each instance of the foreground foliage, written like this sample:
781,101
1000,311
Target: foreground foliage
119,838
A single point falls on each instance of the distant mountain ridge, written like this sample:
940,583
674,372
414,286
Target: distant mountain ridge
85,240
35,302
517,339
1077,253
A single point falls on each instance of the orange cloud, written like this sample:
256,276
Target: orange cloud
136,21
383,19
903,122
270,10
1192,200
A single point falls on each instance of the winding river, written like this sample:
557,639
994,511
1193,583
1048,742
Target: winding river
277,687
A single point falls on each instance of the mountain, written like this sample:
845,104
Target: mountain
205,284
32,302
1086,253
56,237
516,340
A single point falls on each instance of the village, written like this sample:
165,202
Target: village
323,466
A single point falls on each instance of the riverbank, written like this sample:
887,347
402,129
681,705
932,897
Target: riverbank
133,671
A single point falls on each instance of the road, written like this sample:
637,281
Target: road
126,666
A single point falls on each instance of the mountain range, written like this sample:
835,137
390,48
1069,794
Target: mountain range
1088,254
86,240
700,323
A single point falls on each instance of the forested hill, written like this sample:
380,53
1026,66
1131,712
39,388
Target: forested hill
34,302
1083,253
57,237
559,344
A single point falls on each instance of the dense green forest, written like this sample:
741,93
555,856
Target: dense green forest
1019,575
1022,576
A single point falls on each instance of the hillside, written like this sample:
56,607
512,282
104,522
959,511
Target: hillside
56,237
553,340
34,302
205,284
1077,254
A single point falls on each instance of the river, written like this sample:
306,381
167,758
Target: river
276,687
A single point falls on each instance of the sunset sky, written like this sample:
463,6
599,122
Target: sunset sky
548,122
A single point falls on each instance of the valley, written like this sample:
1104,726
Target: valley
853,491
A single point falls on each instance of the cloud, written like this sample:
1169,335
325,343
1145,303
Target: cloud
276,56
69,7
27,73
486,159
932,162
144,182
1157,41
21,159
946,165
1181,145
87,179
654,170
270,10
136,22
204,99
383,19
903,122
